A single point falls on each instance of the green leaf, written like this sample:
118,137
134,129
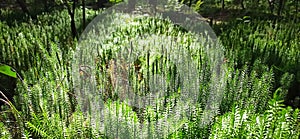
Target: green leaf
6,70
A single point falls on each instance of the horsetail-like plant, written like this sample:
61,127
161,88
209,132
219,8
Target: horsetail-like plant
260,57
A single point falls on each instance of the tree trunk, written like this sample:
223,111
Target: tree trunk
211,21
83,13
71,12
73,26
242,4
223,4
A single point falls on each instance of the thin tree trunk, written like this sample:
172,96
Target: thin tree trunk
83,13
242,4
71,12
73,26
223,4
211,21
190,3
